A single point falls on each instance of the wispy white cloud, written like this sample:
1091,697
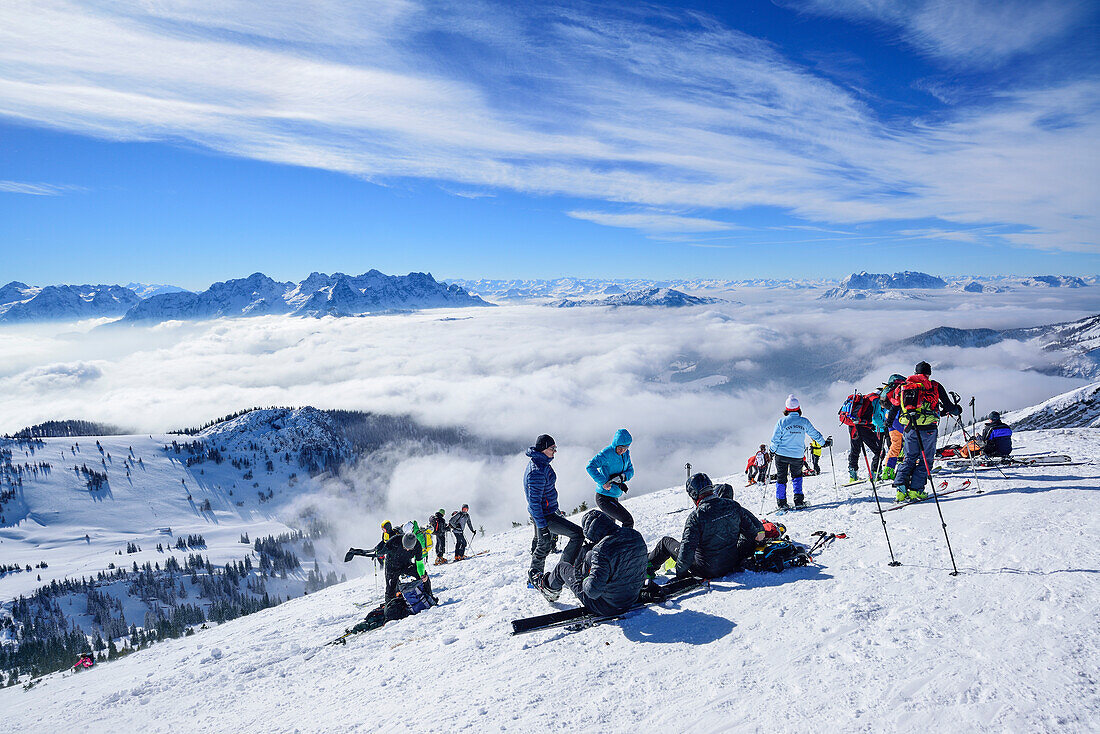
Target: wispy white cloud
34,189
980,33
684,114
651,221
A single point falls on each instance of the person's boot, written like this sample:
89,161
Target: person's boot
853,476
917,495
543,586
887,474
650,570
902,496
781,504
799,501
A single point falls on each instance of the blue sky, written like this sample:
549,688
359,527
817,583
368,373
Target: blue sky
191,142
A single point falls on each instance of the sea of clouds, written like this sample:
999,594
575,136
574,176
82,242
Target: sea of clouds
701,385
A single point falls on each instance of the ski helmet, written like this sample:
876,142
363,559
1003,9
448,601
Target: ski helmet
699,486
408,541
895,379
923,368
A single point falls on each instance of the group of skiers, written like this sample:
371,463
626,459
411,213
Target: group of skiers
401,550
605,561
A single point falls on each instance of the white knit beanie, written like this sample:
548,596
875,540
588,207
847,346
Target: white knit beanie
792,403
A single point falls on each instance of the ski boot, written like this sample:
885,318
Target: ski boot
781,505
902,496
650,571
799,502
888,473
460,558
544,588
916,495
440,560
853,476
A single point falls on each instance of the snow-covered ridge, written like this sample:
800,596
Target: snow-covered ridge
885,281
850,294
21,303
318,295
1075,409
580,288
666,297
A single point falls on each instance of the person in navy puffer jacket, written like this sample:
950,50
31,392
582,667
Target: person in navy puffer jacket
611,469
788,445
540,486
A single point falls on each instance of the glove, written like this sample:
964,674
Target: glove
828,442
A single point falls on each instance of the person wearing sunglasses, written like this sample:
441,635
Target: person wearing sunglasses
540,487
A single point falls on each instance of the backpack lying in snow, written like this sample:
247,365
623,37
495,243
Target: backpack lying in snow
775,555
773,530
415,597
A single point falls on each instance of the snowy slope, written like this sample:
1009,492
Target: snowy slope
20,303
1075,409
848,643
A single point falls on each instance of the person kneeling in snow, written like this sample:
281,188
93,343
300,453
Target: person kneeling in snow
608,578
719,535
405,557
997,436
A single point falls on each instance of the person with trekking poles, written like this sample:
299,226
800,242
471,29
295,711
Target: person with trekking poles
438,525
460,519
863,415
921,402
787,446
611,469
758,465
893,426
541,491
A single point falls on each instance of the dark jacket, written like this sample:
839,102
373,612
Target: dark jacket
709,545
438,523
398,559
540,486
998,438
614,569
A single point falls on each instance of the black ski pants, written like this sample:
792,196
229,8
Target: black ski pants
460,543
440,540
817,462
614,508
784,464
865,436
670,548
393,576
555,525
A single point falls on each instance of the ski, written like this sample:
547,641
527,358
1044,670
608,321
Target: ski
464,558
791,508
899,505
581,618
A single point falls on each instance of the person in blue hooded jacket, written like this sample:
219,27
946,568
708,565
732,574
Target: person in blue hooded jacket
540,487
788,445
611,470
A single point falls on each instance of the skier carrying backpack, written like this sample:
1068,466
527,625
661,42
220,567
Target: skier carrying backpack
608,578
997,436
719,535
758,465
438,524
921,401
788,445
859,413
611,469
893,426
460,519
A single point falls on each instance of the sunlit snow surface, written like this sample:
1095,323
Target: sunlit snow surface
1009,645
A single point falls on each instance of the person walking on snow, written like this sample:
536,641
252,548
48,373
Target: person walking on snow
815,454
866,434
758,465
607,579
460,519
540,488
611,469
787,446
438,524
893,427
921,401
719,535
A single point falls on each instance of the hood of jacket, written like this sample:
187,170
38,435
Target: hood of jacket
538,457
598,525
622,438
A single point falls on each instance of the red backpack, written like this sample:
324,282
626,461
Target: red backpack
857,410
920,396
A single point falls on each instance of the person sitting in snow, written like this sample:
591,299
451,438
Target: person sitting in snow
719,535
788,445
611,469
608,578
996,436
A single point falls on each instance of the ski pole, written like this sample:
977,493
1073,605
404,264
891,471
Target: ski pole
936,496
688,467
832,467
764,488
969,455
973,416
882,516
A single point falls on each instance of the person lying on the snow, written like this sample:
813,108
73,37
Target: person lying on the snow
719,535
608,578
997,436
611,469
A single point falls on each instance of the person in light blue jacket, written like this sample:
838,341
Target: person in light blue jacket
788,445
611,469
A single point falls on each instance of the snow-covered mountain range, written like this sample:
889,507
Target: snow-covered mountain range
317,295
21,303
853,294
665,297
588,288
884,281
1075,409
1077,343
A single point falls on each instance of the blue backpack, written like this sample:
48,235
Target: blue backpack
415,596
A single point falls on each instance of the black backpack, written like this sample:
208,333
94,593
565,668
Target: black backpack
396,608
775,555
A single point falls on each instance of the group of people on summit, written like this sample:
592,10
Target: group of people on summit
606,562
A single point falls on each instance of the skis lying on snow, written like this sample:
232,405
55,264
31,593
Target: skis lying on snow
580,618
940,488
464,558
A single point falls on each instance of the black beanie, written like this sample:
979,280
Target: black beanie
923,368
544,442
